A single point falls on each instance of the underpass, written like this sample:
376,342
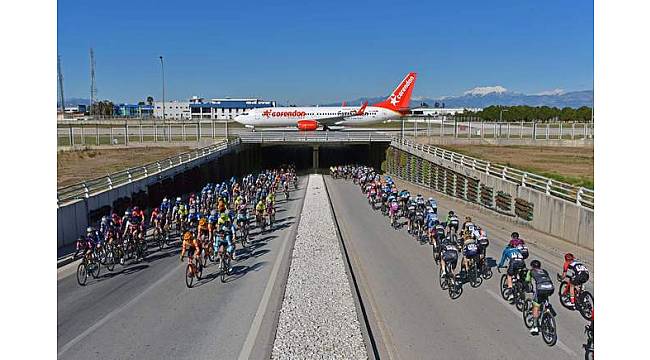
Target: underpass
144,310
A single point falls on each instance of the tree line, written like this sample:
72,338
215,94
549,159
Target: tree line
530,113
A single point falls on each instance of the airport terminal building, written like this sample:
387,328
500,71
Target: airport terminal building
214,109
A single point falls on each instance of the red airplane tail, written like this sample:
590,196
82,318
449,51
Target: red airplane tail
401,96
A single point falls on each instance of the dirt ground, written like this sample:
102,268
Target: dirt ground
574,165
75,166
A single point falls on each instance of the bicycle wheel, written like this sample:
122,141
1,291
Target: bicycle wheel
527,313
455,290
586,301
110,261
189,277
475,278
82,274
519,298
199,270
94,268
549,330
565,296
504,286
443,281
487,273
225,264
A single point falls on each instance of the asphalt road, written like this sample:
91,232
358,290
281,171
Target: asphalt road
413,318
145,311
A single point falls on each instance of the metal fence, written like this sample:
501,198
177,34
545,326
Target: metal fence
87,188
531,130
313,136
582,196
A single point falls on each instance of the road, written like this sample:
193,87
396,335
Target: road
412,318
146,311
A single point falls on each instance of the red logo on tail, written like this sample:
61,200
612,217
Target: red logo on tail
401,96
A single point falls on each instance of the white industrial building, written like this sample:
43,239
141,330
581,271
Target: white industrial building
213,109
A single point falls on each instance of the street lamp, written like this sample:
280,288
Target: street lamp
162,67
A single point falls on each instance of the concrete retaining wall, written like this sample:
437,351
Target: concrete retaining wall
73,218
560,218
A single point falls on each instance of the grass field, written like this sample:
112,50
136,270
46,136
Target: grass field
75,166
573,165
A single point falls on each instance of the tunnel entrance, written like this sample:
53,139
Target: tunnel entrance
251,158
314,157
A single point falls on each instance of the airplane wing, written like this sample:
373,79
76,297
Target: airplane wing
343,115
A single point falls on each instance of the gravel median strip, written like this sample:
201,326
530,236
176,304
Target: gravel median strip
318,318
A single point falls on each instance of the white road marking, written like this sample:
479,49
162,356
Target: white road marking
112,314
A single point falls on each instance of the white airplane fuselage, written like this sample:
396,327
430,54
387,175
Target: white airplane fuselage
290,116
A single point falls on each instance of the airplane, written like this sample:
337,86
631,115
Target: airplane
311,118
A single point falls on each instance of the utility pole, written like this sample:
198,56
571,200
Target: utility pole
61,98
93,86
162,67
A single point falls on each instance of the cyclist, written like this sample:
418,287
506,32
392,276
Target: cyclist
576,272
517,242
542,287
468,226
419,201
433,204
192,244
515,264
448,255
229,230
470,251
452,221
260,210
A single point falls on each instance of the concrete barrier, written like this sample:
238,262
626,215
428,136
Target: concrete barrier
73,217
560,218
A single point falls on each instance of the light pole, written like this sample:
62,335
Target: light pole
162,68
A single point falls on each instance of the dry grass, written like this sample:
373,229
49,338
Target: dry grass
75,166
574,165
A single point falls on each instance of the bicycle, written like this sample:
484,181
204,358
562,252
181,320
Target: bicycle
518,288
584,301
194,269
589,346
473,274
224,265
89,264
546,320
448,282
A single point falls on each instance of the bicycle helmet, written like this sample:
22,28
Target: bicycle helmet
178,199
89,229
514,235
535,264
156,210
568,257
136,209
467,218
451,213
187,236
213,212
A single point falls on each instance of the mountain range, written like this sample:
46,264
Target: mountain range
481,97
478,97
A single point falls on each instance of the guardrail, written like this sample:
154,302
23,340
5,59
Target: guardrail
581,196
313,136
87,188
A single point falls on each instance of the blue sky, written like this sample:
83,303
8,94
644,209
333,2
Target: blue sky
309,52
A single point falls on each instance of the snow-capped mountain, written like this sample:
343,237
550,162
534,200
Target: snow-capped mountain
484,96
